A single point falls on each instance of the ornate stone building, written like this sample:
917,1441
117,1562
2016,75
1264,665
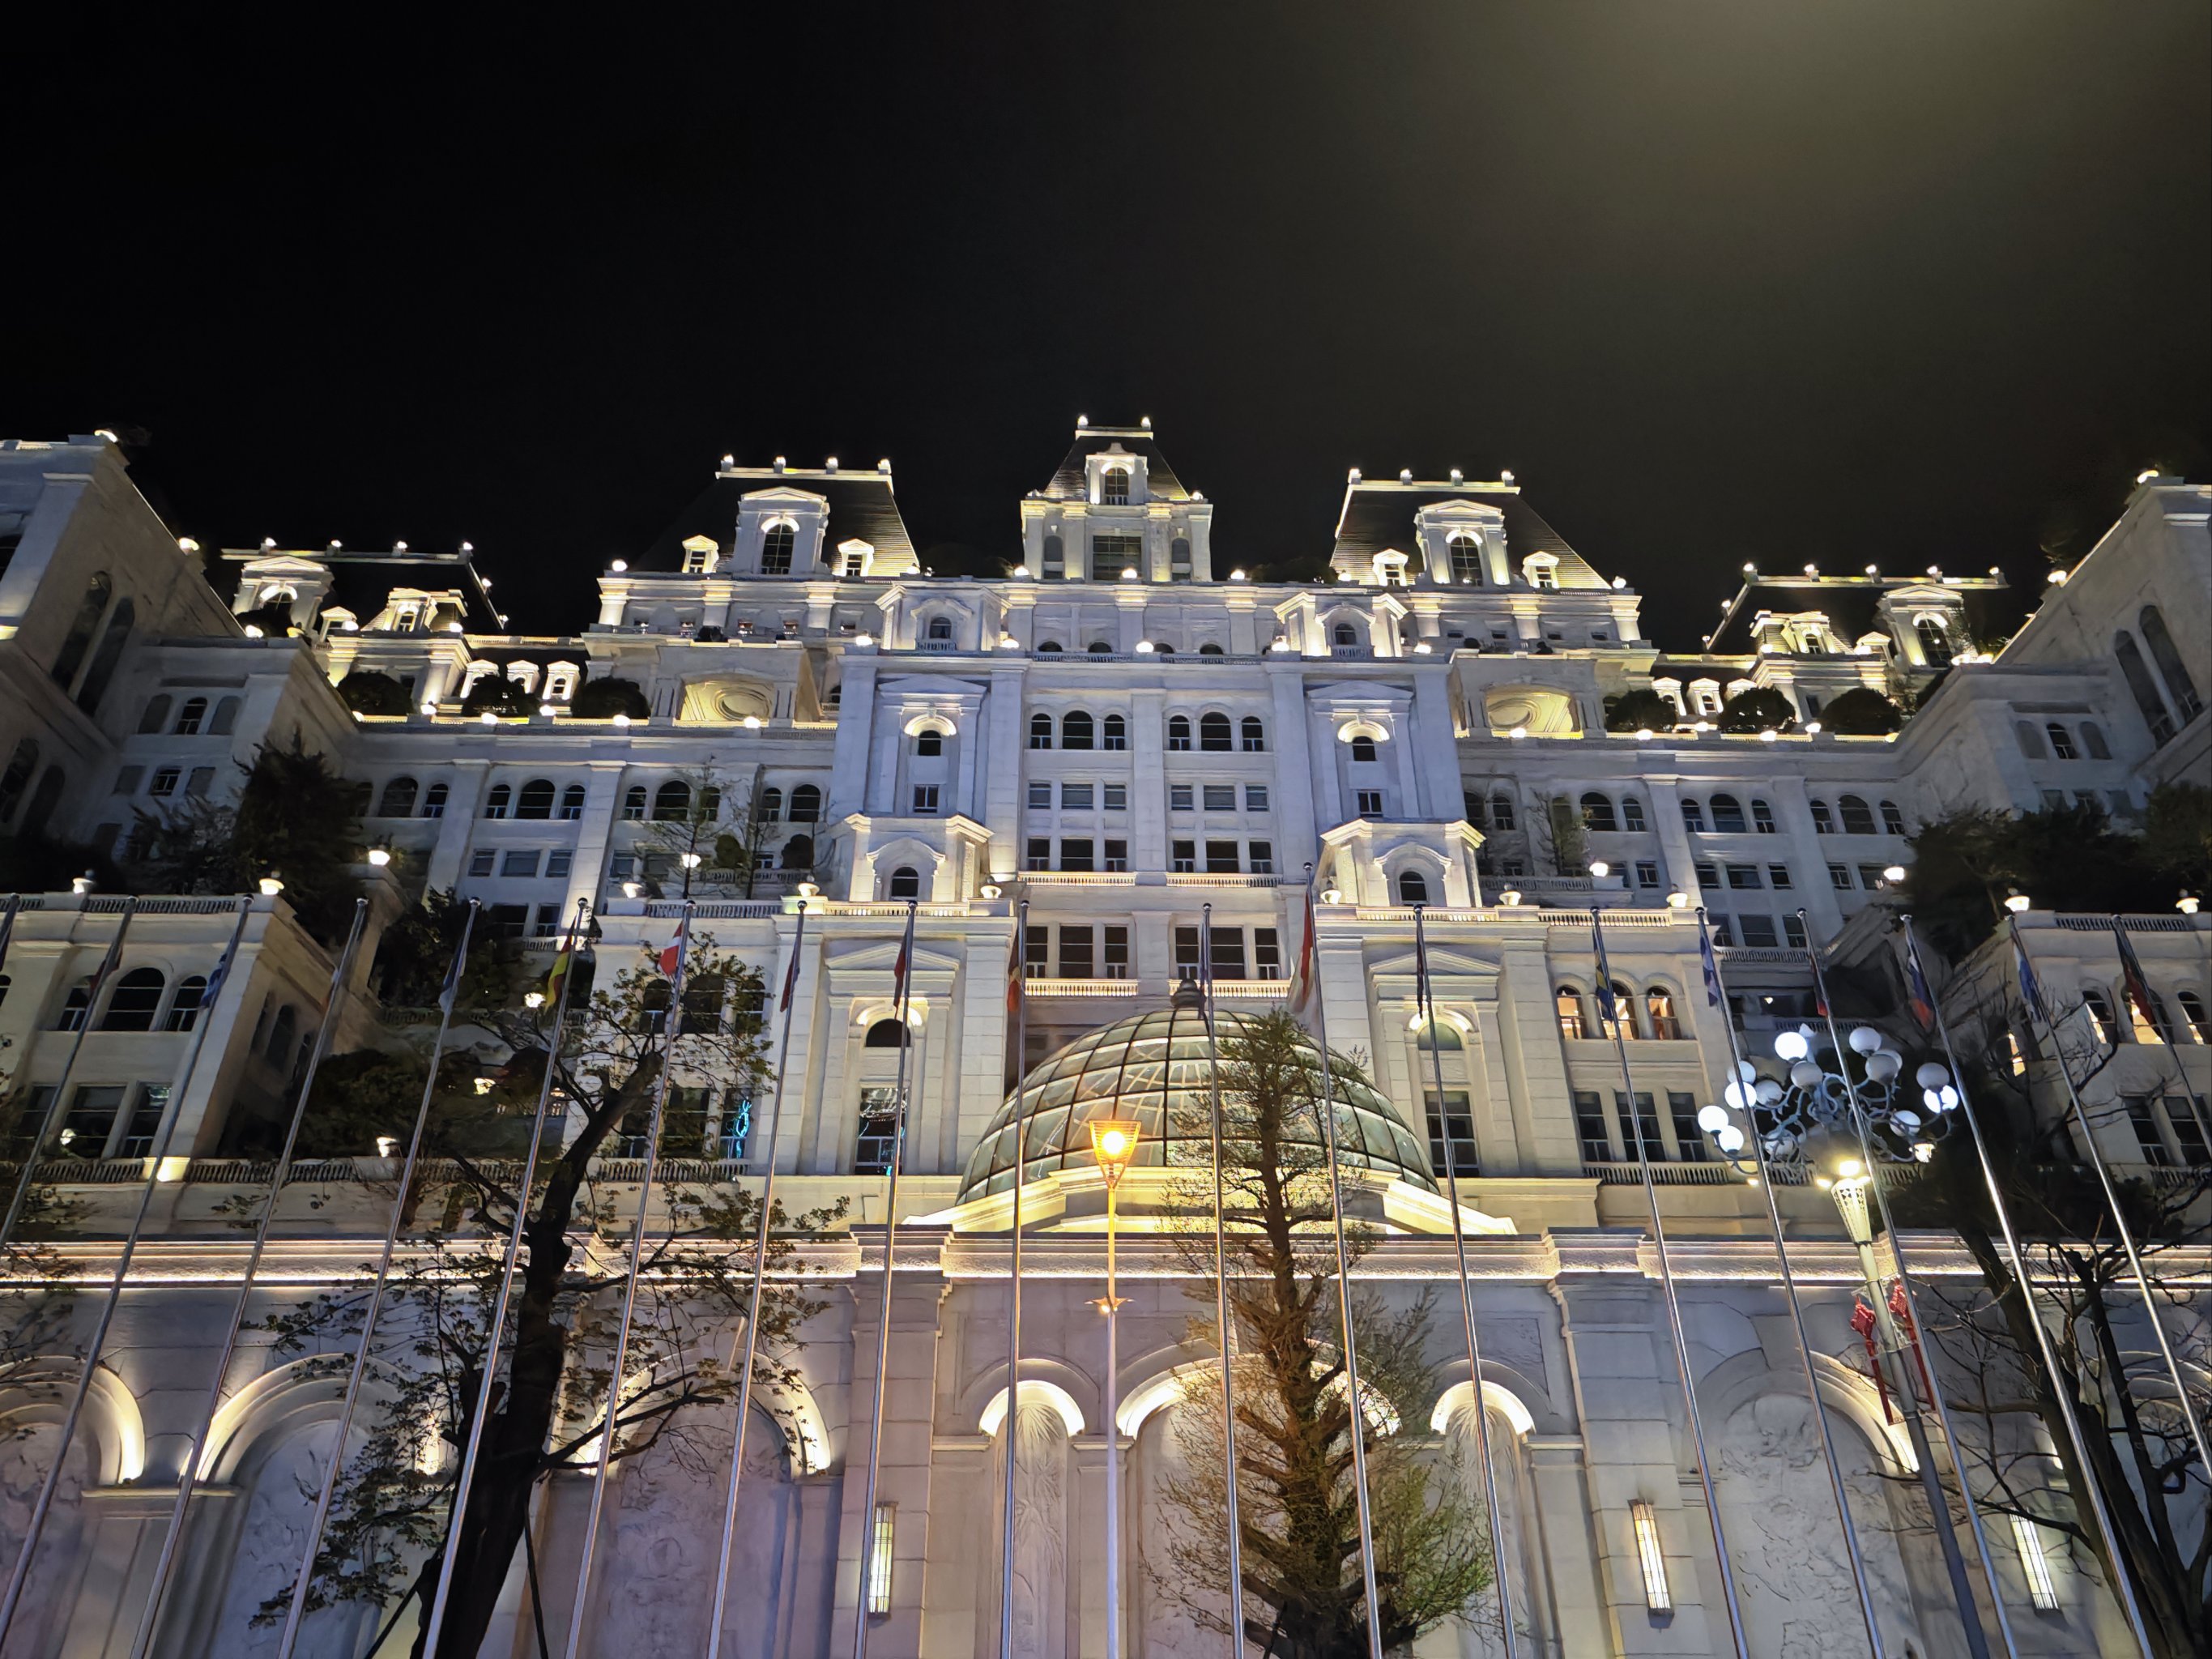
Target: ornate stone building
1128,733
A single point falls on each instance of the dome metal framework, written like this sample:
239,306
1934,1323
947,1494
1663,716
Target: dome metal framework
1153,1068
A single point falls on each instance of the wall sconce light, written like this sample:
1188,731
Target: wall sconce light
270,886
1331,895
2186,904
1510,897
631,889
808,889
80,885
1651,1558
387,1145
2016,901
380,857
1677,900
546,709
989,890
1600,869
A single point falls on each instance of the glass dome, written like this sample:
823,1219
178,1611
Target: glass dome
1116,1071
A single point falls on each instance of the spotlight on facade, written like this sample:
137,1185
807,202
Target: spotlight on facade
1510,898
690,860
253,632
1144,647
1677,900
2146,475
270,886
1128,573
990,890
1331,896
380,857
547,710
534,999
1021,573
752,722
1506,476
1812,728
621,721
619,566
82,885
2016,901
1894,874
429,706
1644,734
186,545
1422,649
2186,904
491,719
631,889
1518,733
1600,869
1237,576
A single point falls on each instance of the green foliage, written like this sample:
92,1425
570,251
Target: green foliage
495,693
602,700
1569,839
2064,858
368,692
1861,712
1762,709
2178,834
1640,711
418,947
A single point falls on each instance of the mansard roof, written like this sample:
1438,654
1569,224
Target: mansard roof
1381,513
362,582
862,504
1851,604
1069,483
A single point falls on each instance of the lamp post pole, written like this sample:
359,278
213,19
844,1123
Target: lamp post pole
1114,1142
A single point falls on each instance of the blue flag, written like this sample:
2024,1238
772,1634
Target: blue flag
452,987
1924,1005
1606,1006
1713,998
2030,991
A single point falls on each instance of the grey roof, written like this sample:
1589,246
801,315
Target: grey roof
1069,483
1850,603
861,504
362,582
1379,514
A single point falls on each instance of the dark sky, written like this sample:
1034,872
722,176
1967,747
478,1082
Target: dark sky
1840,282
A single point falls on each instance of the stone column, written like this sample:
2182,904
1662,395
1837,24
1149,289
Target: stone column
463,800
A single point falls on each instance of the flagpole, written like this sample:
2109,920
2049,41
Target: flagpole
55,1101
298,1608
1741,1081
905,974
2033,998
1019,993
1939,1505
41,1509
1606,1004
2123,1590
1221,1290
1425,998
1344,1307
580,1608
458,1511
752,1309
2138,988
188,1476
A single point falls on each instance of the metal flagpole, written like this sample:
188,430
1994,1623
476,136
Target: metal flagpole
1221,1290
1607,1006
1425,997
2122,1591
55,1107
459,1510
905,974
352,1397
1019,994
1716,995
2139,992
1939,1505
1344,1309
752,1309
2033,996
40,1509
188,1476
582,1606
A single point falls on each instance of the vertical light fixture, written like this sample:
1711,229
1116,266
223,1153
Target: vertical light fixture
2042,1592
1650,1557
879,1560
1113,1144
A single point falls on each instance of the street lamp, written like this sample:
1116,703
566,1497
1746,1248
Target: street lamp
1113,1144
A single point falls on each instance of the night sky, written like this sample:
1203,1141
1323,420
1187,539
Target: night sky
1848,282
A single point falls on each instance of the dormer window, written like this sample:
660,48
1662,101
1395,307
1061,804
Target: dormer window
1465,559
699,553
777,542
1113,487
1542,571
939,635
1390,570
1935,641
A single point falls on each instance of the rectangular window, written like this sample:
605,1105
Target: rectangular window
1182,857
924,799
1647,1119
1267,954
1451,1133
1369,803
1689,1139
1115,952
559,861
547,922
145,1121
878,1136
482,861
1839,878
520,861
1709,877
1647,873
1777,877
1039,854
1262,854
2188,1135
1743,876
91,1115
1039,797
1075,953
1590,1125
1116,796
1075,797
1115,734
571,806
508,921
1116,856
1076,855
1181,797
1220,797
1111,554
1256,797
165,780
1036,953
1228,953
1871,876
1185,953
2142,1118
1221,858
1793,931
622,867
1758,932
1722,934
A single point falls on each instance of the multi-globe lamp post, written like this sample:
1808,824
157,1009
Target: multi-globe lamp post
1113,1144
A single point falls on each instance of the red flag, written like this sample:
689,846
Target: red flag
1862,1321
673,956
1305,990
790,980
898,974
2131,974
1014,969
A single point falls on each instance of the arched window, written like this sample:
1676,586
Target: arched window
1822,823
136,999
884,1034
1659,1009
710,803
633,802
185,1006
106,656
78,640
281,1035
776,544
1762,817
1569,1002
434,801
1363,746
1100,648
1213,733
192,716
1935,641
797,853
1465,559
572,802
2029,739
1501,811
1892,820
2100,1014
2170,669
2092,739
771,805
495,802
398,800
1440,1034
2192,1010
1693,815
1048,644
1113,487
535,799
1055,561
1858,820
671,802
1076,730
2136,673
1344,633
1178,734
1114,733
1040,730
1727,815
928,743
2148,1027
1631,812
2062,741
75,1006
1597,812
806,805
1253,735
940,630
157,717
905,883
225,718
1413,887
1163,647
1179,560
1624,1007
1209,649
